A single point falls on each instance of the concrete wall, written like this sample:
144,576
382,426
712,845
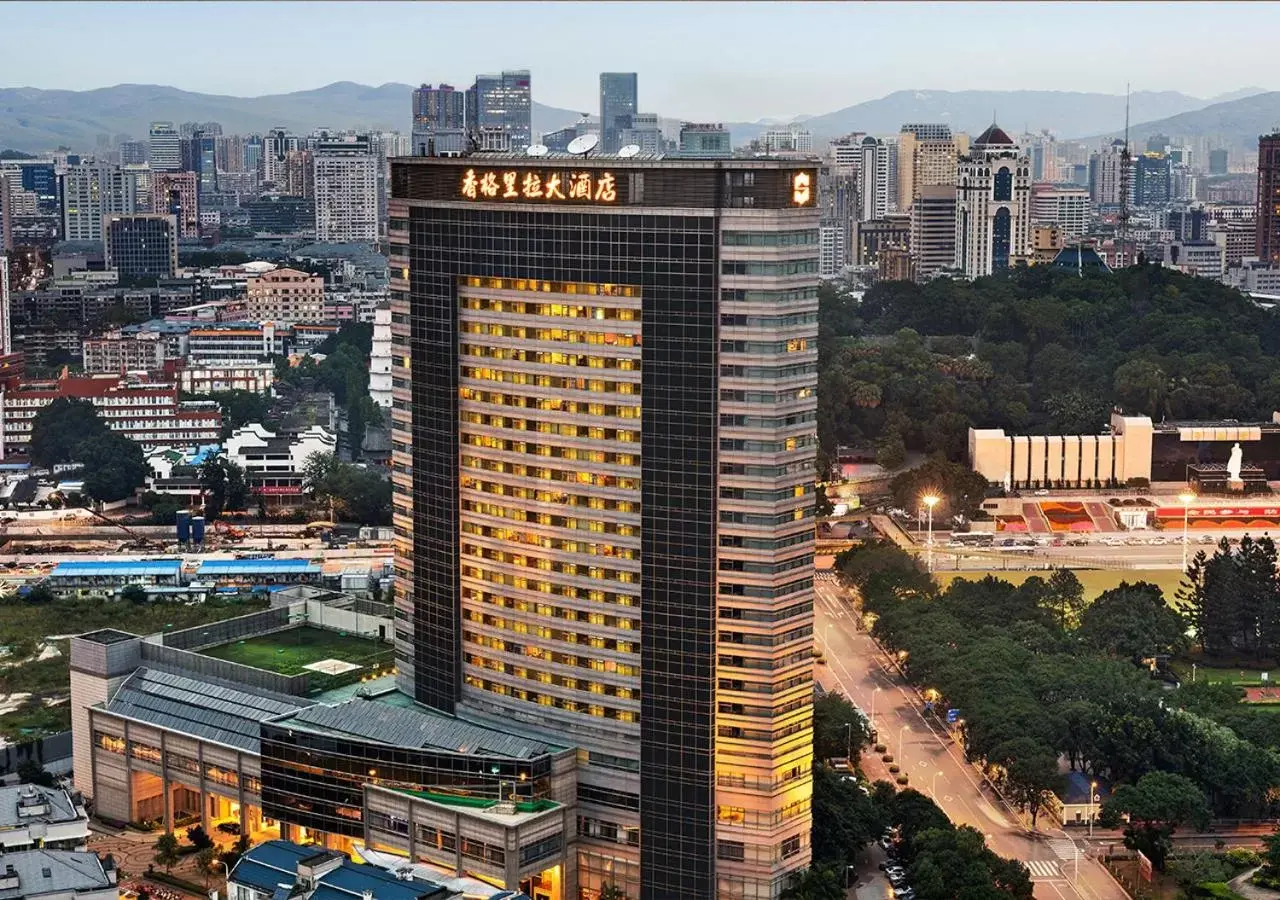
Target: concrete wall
228,630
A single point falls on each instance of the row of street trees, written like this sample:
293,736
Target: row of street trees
1037,675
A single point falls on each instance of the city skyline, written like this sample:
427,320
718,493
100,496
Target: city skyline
667,50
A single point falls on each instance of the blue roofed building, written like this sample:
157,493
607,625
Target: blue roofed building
93,578
284,869
256,572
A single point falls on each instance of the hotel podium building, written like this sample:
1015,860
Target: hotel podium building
604,376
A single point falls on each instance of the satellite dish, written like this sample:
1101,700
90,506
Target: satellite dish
536,150
629,151
584,144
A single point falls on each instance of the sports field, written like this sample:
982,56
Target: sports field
1095,581
291,652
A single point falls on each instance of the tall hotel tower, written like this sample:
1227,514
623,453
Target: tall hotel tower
604,401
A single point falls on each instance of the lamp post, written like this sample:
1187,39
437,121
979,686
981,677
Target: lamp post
1093,798
901,733
848,727
1186,507
873,706
933,785
930,501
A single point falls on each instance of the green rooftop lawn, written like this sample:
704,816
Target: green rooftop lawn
287,652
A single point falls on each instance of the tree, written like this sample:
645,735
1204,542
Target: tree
166,851
1157,805
351,491
224,486
844,819
208,862
1064,597
839,728
31,772
239,408
1202,867
891,452
40,594
133,593
815,883
61,427
960,488
1031,773
1132,621
1271,853
114,466
198,837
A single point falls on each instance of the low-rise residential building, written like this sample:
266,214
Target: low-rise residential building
285,295
140,408
35,816
116,352
234,375
57,875
237,342
273,463
1205,259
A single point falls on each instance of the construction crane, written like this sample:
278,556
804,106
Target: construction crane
143,542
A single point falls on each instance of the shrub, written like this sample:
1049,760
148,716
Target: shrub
887,758
1243,857
880,748
902,780
894,770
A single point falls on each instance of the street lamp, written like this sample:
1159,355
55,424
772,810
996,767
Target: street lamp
930,501
901,733
933,785
848,727
1093,798
873,706
1186,507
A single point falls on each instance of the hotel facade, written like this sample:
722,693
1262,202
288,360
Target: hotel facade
603,397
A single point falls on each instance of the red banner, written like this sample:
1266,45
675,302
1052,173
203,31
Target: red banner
1224,511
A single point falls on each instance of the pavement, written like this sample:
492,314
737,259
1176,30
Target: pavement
935,764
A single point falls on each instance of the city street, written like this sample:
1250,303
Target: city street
936,766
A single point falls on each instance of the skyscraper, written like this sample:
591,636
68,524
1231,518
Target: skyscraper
439,120
618,104
166,147
346,190
500,111
90,191
993,205
176,194
604,491
141,246
133,153
933,230
705,139
927,155
873,184
1106,175
6,216
1153,180
275,151
1218,161
1268,217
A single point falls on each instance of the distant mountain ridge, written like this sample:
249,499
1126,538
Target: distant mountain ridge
1237,122
32,119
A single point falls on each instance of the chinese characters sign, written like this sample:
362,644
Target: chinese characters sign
531,186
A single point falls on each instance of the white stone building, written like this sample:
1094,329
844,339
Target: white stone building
993,205
380,358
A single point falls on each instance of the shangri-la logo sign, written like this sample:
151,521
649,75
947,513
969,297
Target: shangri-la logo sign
544,187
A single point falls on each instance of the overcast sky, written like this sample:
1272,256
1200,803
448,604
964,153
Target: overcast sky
728,60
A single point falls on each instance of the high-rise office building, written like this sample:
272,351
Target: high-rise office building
253,154
1062,205
645,132
1153,180
873,180
993,205
500,111
927,155
1268,203
618,104
199,155
346,190
176,194
439,120
133,153
1218,161
1158,143
933,231
141,246
705,139
166,147
91,190
604,439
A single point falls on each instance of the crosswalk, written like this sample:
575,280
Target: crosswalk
1064,849
1044,868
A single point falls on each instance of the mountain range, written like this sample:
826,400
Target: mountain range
32,119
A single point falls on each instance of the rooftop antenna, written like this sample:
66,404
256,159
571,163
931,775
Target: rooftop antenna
1122,230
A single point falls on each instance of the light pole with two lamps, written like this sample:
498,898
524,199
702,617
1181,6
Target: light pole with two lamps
930,501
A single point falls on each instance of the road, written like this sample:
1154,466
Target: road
936,766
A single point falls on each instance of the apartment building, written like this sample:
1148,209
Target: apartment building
286,296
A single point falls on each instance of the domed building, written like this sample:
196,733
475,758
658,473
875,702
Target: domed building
993,204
